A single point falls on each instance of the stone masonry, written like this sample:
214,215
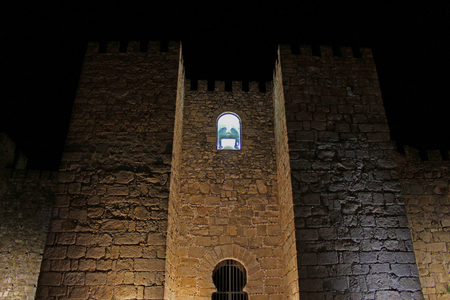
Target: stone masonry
425,186
107,237
284,183
26,199
228,206
25,210
173,219
352,233
316,204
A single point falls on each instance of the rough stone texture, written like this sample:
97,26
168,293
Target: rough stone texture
351,224
227,205
26,199
290,258
173,220
311,205
425,186
108,231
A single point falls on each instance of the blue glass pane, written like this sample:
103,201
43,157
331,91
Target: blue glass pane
228,132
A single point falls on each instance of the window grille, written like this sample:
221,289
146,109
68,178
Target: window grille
229,277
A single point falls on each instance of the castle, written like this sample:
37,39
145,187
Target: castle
170,189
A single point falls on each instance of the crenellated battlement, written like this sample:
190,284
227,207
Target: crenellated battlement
327,51
228,86
411,154
32,174
106,47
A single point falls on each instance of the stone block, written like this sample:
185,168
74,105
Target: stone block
104,265
409,284
78,292
114,225
156,239
102,292
306,234
197,252
118,190
128,278
57,291
66,238
86,265
327,258
376,282
74,278
154,292
142,264
311,285
76,251
437,247
360,269
125,292
130,251
55,252
197,199
335,284
60,265
269,263
308,259
124,177
95,278
95,252
141,213
391,295
128,238
145,278
50,278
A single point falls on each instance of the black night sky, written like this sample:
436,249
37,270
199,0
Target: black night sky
43,43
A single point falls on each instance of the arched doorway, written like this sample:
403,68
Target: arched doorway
230,278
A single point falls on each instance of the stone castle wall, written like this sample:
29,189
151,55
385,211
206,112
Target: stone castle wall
290,258
425,186
353,240
228,206
107,236
26,199
173,216
139,137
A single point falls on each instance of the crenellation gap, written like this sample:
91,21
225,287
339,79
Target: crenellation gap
211,84
194,85
423,155
228,86
336,51
123,45
245,86
164,46
356,51
316,50
444,154
102,46
295,49
143,46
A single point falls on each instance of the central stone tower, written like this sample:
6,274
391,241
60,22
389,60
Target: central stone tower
228,206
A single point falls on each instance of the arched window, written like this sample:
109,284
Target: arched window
228,132
230,278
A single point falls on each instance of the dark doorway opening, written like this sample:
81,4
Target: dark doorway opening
230,278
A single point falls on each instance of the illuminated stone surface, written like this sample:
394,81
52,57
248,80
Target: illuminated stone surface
146,206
